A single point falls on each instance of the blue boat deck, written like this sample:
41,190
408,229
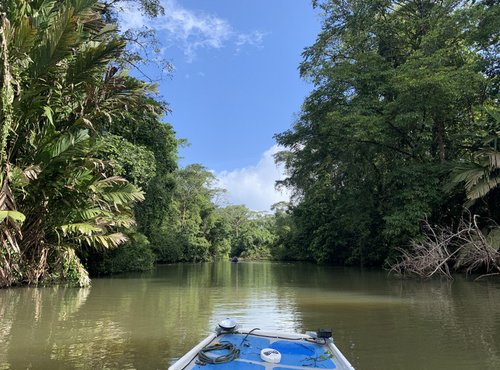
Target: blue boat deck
295,354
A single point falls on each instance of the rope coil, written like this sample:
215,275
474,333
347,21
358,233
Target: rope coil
233,353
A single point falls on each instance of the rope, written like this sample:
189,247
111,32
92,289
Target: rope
233,353
246,336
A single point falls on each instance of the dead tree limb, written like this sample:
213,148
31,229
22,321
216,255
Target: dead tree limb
443,247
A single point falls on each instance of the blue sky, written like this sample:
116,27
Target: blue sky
235,84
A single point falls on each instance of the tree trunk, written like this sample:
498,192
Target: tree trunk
440,140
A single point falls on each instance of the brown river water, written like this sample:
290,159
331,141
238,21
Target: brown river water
148,320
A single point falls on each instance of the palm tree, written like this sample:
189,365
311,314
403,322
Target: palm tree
480,175
59,90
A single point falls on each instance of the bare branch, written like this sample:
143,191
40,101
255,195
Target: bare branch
443,247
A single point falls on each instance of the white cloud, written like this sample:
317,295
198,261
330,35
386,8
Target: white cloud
131,17
255,38
254,186
189,30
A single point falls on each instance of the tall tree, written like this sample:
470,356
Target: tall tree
186,229
397,84
143,149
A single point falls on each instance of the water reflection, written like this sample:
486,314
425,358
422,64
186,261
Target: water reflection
146,321
466,319
253,292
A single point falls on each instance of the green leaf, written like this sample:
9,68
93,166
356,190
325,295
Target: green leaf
14,215
47,112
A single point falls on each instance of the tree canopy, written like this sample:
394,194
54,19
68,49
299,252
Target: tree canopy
400,94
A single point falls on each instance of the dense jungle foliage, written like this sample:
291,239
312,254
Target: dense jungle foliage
401,127
89,169
62,196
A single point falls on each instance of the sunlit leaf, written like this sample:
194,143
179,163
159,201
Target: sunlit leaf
14,215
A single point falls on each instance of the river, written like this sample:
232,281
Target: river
146,321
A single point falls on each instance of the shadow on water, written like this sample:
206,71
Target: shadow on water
148,320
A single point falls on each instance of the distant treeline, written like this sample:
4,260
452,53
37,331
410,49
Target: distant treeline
398,138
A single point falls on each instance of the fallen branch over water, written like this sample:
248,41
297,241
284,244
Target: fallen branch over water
443,248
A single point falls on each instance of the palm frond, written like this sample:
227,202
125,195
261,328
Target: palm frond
31,172
123,219
42,11
92,58
120,93
469,172
84,8
479,177
494,158
121,193
80,229
61,143
78,178
23,39
58,42
106,241
93,213
480,189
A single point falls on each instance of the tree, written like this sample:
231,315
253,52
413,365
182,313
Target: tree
57,86
187,227
143,149
256,238
397,84
236,216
